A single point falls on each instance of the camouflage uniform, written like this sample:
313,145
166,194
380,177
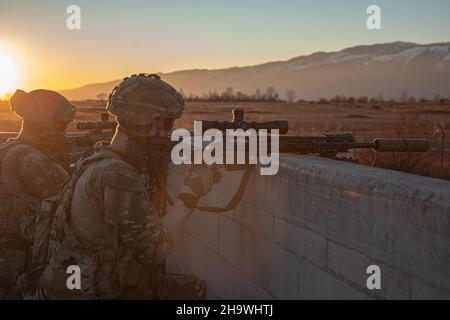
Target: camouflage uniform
26,177
104,221
107,226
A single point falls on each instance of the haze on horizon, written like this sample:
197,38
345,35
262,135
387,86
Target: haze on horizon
122,38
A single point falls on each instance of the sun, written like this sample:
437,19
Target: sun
8,74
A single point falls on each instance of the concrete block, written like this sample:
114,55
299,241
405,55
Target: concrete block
219,275
209,230
301,242
205,227
353,266
274,269
236,245
259,190
211,295
214,199
369,216
422,291
246,289
395,285
349,263
175,261
271,267
191,224
194,256
316,284
255,219
399,219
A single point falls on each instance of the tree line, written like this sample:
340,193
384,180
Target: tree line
270,94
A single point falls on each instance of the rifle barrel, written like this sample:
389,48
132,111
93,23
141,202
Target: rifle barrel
402,145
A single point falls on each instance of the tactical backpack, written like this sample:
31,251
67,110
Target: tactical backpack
51,227
17,214
56,245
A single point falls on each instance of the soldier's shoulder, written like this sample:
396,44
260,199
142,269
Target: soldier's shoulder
21,151
40,175
25,157
116,173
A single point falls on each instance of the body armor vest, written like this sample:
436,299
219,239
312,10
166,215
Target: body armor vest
17,216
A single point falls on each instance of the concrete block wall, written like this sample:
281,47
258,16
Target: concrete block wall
311,231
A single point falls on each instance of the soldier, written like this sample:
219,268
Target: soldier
27,176
106,223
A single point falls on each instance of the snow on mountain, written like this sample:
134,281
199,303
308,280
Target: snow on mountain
397,51
388,69
439,52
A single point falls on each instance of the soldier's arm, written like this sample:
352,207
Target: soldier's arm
198,182
42,176
176,218
128,209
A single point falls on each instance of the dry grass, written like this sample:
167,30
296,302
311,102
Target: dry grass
366,122
435,163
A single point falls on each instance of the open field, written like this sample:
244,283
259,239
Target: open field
365,121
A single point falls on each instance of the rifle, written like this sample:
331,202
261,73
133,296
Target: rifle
74,145
330,145
67,149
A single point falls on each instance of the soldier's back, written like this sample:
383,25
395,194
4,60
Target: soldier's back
26,177
95,195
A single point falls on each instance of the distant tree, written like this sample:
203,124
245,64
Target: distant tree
324,101
271,93
240,96
404,97
258,94
229,93
338,99
373,101
437,97
362,99
412,100
290,95
213,95
102,96
351,100
335,100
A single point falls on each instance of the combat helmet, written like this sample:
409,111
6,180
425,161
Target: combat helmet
42,109
142,98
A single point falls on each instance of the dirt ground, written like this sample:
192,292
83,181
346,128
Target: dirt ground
421,120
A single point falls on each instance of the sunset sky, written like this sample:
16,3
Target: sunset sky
118,38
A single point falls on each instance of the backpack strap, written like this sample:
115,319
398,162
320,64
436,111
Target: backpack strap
51,227
58,208
11,207
6,146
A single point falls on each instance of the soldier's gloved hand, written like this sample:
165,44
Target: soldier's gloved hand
198,182
201,179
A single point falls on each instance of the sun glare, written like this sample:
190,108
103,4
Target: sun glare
8,74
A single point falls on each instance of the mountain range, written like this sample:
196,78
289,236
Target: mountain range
390,70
